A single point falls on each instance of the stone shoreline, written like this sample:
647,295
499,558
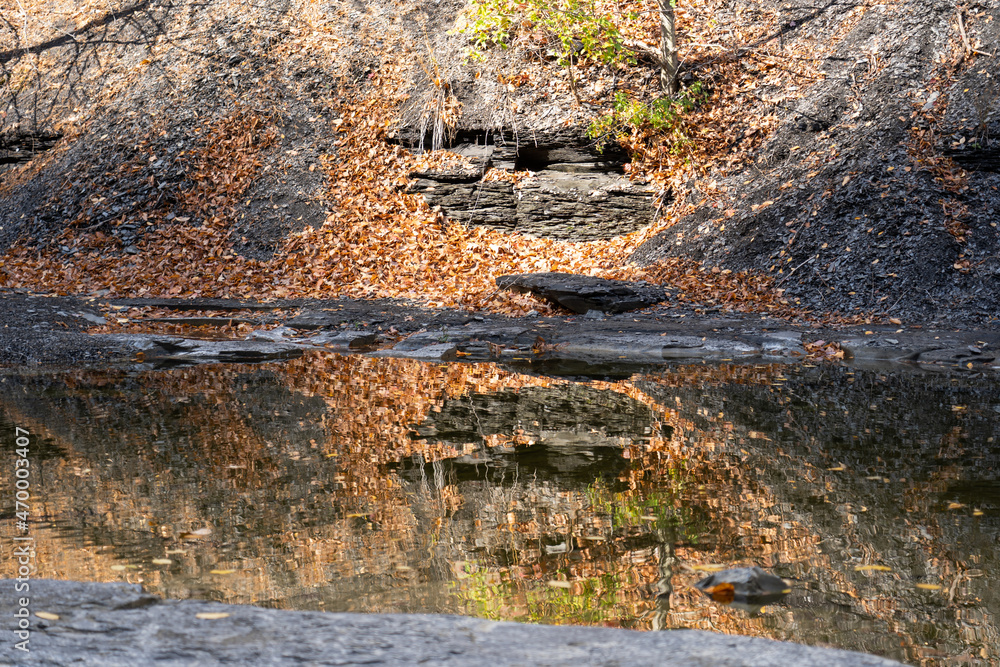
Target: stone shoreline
117,624
37,329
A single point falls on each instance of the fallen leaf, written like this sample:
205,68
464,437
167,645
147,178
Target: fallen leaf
724,593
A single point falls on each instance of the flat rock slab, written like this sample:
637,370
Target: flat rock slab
655,348
435,352
192,350
117,624
976,350
582,294
203,304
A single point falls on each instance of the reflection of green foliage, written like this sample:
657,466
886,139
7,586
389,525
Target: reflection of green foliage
500,595
495,596
635,509
660,118
575,25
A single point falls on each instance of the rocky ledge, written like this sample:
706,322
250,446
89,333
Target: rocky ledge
578,191
36,329
119,624
583,294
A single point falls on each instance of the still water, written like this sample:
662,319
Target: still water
593,496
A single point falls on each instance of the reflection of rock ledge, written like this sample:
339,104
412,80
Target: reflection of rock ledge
118,624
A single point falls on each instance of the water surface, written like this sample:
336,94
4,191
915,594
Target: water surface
348,483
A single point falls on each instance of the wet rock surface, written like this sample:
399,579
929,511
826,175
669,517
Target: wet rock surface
582,294
162,348
118,624
48,329
37,329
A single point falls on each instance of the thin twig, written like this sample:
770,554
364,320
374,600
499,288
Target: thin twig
961,29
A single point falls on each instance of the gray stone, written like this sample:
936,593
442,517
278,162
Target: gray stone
347,340
746,582
273,335
927,348
577,191
91,317
554,204
117,625
203,321
190,350
198,304
582,206
585,293
315,319
487,203
437,352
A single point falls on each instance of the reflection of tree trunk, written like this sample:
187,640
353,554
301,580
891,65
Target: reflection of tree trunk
664,587
668,48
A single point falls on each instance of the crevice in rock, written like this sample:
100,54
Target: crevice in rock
976,158
24,146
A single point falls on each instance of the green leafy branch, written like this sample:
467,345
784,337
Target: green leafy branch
575,27
659,119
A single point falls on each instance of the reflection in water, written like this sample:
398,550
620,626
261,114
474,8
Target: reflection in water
749,588
383,485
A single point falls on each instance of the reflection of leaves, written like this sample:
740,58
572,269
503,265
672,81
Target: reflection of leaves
724,593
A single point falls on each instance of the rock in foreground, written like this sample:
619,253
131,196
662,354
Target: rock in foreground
585,293
117,624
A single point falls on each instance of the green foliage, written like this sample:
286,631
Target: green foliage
575,26
661,118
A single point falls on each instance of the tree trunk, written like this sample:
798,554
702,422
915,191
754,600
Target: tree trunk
572,79
668,48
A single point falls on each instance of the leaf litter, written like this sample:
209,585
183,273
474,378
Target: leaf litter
378,241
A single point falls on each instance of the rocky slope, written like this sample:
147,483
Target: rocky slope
853,203
846,150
